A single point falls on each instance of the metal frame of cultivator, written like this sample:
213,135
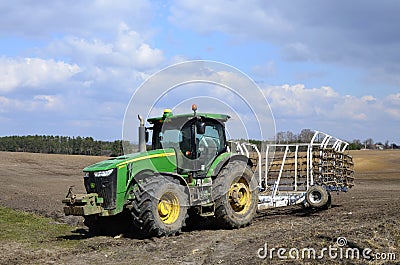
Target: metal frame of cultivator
287,171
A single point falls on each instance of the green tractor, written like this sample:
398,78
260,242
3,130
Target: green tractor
188,167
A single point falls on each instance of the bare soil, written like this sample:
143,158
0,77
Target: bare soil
367,216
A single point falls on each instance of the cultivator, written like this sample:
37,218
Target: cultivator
291,173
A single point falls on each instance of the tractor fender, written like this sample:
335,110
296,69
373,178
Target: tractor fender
215,169
142,174
181,180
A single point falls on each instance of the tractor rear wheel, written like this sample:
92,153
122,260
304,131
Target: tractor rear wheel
235,193
160,206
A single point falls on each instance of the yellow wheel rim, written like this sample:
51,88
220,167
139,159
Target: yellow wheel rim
168,208
239,196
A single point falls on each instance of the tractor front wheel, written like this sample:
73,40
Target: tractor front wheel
107,225
160,206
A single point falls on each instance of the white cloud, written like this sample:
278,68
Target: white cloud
298,101
362,34
128,49
49,101
85,18
296,107
394,113
38,103
215,86
78,61
392,105
92,80
297,52
265,70
33,72
240,18
394,99
4,102
368,99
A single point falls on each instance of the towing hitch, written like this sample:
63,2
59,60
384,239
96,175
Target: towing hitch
82,204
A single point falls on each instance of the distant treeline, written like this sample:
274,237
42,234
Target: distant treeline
88,146
60,145
305,136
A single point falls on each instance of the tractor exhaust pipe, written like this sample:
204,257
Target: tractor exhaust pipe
142,135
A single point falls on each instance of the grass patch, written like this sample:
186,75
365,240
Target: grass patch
22,227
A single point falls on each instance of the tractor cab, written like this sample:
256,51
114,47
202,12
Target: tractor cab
197,139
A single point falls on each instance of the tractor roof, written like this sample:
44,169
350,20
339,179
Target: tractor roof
219,117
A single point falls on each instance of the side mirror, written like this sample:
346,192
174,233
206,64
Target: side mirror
201,127
146,136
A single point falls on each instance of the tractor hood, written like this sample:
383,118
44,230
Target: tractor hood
130,158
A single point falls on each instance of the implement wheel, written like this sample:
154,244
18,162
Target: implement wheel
160,206
235,195
317,196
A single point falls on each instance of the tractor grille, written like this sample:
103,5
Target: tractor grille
104,186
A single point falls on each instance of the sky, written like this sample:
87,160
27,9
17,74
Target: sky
71,67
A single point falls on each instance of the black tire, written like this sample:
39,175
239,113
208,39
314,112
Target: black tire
107,225
160,206
317,196
328,204
94,224
235,193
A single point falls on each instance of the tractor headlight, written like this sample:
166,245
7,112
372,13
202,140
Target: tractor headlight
103,173
86,175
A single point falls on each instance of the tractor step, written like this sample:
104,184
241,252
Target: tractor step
207,210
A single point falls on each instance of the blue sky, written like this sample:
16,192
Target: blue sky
70,68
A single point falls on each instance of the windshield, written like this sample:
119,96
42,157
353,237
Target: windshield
170,134
183,137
